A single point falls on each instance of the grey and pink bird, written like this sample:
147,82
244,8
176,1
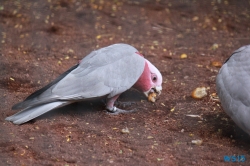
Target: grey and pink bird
233,87
108,71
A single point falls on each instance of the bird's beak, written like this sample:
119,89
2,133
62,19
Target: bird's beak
156,90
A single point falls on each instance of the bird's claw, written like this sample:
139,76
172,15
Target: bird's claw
124,104
116,111
111,110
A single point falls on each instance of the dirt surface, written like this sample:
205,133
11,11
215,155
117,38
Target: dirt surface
40,39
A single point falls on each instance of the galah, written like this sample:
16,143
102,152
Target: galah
108,71
233,87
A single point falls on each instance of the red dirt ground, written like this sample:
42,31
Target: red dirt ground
39,40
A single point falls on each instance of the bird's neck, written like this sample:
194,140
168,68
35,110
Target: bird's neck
143,84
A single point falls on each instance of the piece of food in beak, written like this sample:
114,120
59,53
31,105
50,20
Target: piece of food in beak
152,96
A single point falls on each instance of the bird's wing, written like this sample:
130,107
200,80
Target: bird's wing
109,70
233,87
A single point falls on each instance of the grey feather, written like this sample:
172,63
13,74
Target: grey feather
108,71
233,87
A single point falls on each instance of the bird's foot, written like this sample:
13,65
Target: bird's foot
116,111
124,104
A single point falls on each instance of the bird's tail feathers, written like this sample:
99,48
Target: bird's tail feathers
33,112
33,103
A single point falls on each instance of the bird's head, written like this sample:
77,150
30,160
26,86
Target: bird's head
150,80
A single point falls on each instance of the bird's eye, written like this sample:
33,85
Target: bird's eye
154,78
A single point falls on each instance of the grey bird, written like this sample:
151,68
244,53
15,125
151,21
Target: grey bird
233,87
108,71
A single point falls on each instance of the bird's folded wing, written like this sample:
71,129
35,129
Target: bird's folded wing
107,71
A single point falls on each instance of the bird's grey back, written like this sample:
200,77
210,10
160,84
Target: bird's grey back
233,87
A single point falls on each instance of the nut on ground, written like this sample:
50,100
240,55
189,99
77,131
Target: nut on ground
216,64
183,56
199,93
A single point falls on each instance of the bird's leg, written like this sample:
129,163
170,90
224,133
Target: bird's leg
114,110
110,103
